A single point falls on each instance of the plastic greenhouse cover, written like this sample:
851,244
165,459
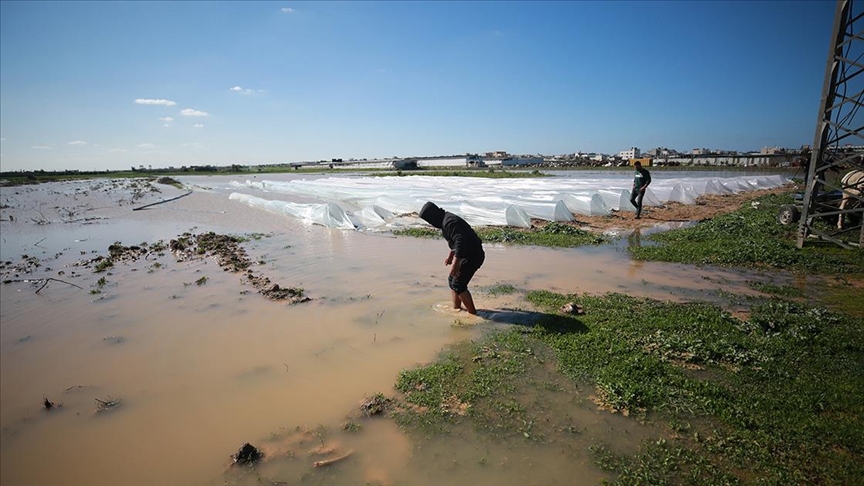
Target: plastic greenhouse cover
383,202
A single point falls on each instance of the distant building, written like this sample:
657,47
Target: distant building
700,151
772,150
498,154
632,153
661,152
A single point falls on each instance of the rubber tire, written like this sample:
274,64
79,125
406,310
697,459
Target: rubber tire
788,214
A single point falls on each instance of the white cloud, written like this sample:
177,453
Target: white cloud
192,144
166,125
166,119
198,125
287,9
191,112
78,142
245,91
146,145
117,150
146,101
42,147
2,139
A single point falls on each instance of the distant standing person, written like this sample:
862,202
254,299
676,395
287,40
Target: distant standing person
466,252
640,183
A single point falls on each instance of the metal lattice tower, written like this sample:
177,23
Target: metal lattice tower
838,146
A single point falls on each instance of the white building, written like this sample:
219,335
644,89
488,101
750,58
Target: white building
771,150
633,153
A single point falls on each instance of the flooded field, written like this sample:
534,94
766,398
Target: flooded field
200,363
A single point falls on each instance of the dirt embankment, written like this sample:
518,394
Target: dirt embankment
707,206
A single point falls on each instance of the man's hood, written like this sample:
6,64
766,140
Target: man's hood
432,214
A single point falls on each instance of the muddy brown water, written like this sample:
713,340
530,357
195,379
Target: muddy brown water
201,369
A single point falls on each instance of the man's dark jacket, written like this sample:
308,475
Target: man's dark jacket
461,238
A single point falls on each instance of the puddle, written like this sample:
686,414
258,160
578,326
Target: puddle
203,368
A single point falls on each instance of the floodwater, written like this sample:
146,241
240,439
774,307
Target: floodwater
202,369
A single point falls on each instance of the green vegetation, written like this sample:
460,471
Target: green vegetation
775,399
750,237
352,426
552,234
169,181
778,290
103,265
843,294
490,173
418,232
499,289
250,237
473,380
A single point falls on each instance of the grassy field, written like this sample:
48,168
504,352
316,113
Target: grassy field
552,235
750,238
773,399
770,396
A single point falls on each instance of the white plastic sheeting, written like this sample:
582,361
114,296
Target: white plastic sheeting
328,214
370,202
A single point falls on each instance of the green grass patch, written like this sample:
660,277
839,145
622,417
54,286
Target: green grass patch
499,289
778,290
482,383
772,399
418,232
752,238
170,181
843,295
103,265
553,234
489,173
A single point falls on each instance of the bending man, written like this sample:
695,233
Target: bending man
466,252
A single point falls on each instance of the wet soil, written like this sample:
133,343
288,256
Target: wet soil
707,206
232,257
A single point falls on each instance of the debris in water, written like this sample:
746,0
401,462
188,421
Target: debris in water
247,454
327,462
107,404
375,405
573,308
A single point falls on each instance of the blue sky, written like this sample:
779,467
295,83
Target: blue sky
107,85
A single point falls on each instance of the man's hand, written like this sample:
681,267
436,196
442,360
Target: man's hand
456,269
449,259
